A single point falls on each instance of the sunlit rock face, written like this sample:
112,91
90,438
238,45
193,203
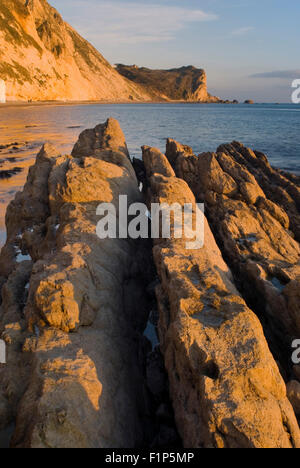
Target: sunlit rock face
2,92
72,312
44,58
225,386
80,372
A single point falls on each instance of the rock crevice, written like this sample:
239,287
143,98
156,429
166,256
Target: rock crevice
225,386
83,339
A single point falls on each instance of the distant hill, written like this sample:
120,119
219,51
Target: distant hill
43,58
178,84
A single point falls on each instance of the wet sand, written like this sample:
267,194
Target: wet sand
83,103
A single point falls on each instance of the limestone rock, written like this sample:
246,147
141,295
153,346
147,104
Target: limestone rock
293,391
225,385
79,327
74,308
44,58
251,221
174,149
155,162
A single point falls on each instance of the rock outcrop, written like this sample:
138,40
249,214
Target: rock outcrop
293,389
226,389
73,317
280,187
178,84
44,58
254,212
77,311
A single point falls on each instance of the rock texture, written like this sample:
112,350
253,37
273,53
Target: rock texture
44,58
178,84
293,389
225,386
76,312
72,317
254,212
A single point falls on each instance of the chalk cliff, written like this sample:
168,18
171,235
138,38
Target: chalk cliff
44,58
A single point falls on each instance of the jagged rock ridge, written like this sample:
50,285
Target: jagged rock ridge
74,307
44,58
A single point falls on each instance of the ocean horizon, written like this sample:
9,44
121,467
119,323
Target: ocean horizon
269,128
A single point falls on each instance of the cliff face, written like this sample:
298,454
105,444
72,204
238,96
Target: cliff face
225,386
178,84
43,58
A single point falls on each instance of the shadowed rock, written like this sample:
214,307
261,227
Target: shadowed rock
279,186
293,390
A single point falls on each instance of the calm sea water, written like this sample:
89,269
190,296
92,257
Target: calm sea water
272,129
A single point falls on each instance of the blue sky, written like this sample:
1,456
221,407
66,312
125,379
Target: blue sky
249,48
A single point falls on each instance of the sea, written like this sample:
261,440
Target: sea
270,128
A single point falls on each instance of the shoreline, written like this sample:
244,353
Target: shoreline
106,102
13,104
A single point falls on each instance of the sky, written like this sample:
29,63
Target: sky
249,48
